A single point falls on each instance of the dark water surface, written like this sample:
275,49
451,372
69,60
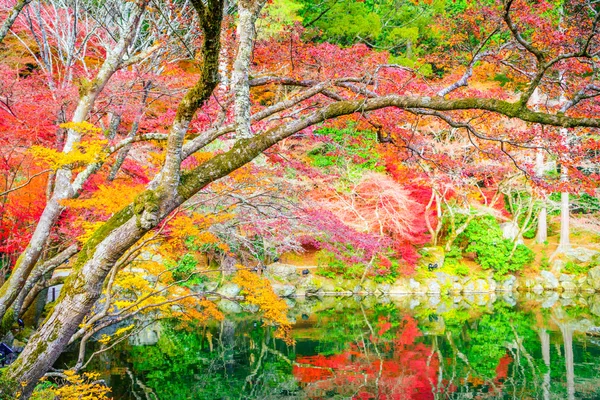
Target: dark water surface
374,348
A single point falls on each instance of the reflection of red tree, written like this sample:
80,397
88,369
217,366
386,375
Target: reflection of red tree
403,369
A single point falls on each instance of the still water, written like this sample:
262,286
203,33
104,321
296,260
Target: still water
374,348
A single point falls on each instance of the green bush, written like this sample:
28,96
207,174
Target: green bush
331,266
461,270
577,269
484,238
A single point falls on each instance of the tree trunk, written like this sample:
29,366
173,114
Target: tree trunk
542,226
248,11
564,243
567,334
12,16
545,341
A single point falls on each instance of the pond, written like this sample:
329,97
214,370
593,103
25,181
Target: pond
531,347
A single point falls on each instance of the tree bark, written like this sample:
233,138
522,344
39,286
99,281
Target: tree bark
38,272
12,17
542,227
248,12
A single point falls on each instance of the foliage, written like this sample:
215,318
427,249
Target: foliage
483,236
258,291
575,268
79,387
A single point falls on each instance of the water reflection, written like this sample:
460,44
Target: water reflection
376,348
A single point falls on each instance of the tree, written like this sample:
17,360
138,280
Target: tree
388,95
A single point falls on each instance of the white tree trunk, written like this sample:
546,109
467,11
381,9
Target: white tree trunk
545,341
248,11
567,334
542,225
564,244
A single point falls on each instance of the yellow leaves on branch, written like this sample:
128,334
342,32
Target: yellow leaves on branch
85,153
81,387
107,199
83,128
194,226
258,291
89,150
105,339
137,293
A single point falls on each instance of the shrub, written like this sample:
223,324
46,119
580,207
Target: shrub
484,238
573,268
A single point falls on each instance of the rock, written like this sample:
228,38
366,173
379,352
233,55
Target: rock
414,286
400,287
510,230
477,286
369,286
229,307
432,255
550,300
442,308
595,308
433,286
444,279
549,280
282,271
469,287
456,288
567,295
383,288
313,287
433,301
229,290
508,285
414,303
594,278
283,290
568,286
251,308
566,302
148,336
582,254
528,284
481,299
509,299
557,265
586,288
565,278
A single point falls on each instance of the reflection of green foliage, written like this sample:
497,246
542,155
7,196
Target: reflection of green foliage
492,336
183,366
484,237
